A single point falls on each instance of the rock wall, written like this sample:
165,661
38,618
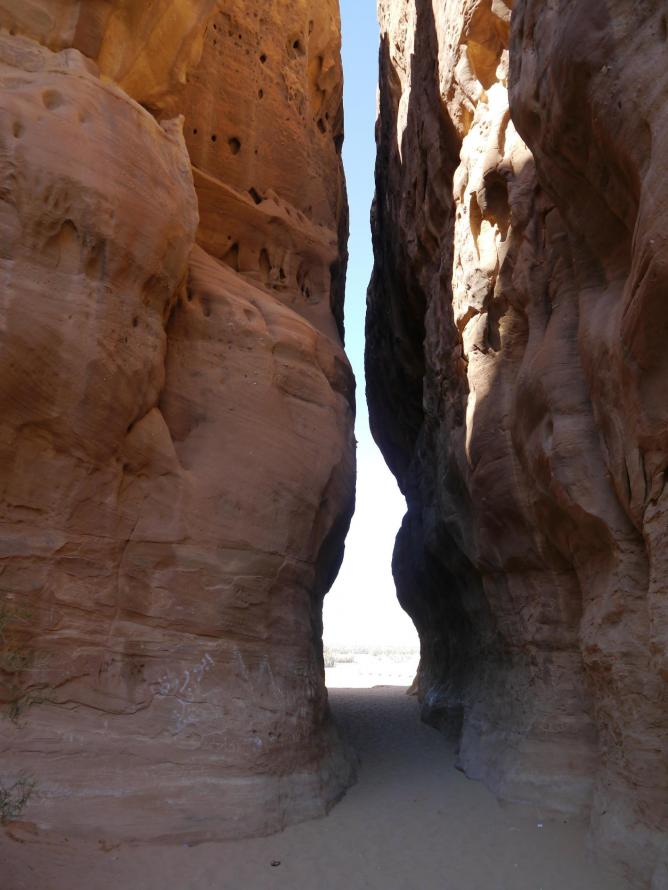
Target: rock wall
516,377
176,434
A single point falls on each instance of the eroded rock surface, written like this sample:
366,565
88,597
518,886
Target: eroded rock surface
515,358
177,469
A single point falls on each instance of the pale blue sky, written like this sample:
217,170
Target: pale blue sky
362,606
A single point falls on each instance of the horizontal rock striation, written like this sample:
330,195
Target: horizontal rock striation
177,473
515,319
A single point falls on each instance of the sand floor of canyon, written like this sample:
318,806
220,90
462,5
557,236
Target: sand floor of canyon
412,822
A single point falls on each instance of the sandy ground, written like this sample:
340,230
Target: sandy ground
411,823
371,670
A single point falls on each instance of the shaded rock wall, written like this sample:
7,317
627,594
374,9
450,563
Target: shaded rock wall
514,365
177,472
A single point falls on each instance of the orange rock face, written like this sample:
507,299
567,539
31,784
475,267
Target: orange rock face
177,445
515,316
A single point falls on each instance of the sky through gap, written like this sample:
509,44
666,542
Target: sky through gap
362,608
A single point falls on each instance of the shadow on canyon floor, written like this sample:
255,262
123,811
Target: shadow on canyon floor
412,821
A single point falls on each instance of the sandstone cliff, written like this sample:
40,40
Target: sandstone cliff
516,381
177,452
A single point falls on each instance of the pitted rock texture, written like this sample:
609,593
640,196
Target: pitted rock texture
280,100
514,362
177,428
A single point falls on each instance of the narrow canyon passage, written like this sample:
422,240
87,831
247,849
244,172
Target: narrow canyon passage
182,428
412,822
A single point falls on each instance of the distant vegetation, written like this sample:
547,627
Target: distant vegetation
350,654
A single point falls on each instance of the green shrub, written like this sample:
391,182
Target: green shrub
13,798
14,658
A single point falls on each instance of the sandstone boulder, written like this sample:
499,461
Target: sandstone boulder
177,428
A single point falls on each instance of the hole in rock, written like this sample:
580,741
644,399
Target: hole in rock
495,205
231,258
235,145
295,46
52,99
265,266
